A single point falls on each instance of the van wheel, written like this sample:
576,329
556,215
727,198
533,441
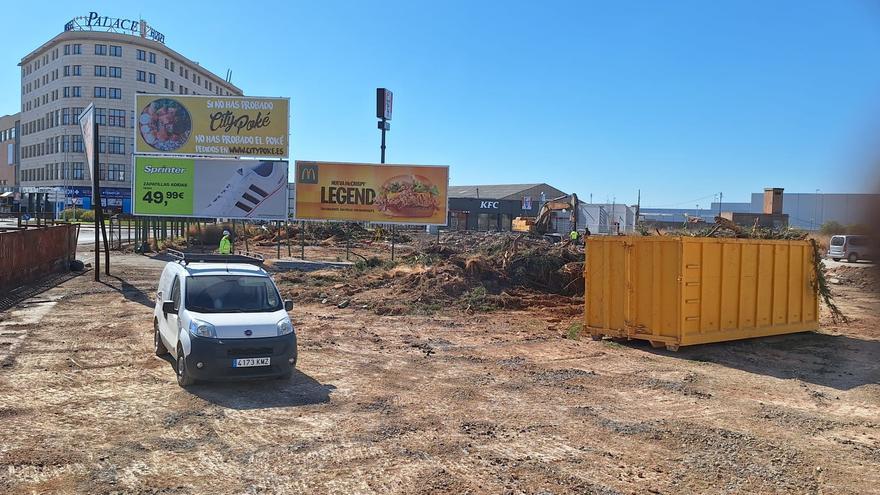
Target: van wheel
158,347
836,259
183,377
852,258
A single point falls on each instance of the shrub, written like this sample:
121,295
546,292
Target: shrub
832,227
78,214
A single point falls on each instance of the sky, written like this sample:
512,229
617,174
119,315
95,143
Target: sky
679,99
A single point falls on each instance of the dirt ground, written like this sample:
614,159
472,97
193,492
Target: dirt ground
447,402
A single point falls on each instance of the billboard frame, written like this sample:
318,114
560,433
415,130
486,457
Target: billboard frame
375,222
136,112
134,158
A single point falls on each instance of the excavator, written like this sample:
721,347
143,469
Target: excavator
541,224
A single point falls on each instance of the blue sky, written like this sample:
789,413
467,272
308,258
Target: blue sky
681,99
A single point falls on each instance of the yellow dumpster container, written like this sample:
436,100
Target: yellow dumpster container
675,291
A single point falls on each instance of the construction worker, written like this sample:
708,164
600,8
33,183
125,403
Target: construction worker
573,236
225,244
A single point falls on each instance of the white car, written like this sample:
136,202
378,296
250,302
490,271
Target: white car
222,317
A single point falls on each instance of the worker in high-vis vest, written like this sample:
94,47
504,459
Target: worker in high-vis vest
573,236
225,243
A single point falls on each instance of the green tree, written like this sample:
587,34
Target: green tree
832,227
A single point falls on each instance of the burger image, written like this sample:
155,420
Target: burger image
408,196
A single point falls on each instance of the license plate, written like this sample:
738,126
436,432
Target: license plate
251,362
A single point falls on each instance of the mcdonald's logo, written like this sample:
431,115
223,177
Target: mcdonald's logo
308,174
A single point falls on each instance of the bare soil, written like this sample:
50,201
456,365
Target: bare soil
444,400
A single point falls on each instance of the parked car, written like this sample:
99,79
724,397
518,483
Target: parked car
851,248
222,317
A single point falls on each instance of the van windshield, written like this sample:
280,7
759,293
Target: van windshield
231,294
837,240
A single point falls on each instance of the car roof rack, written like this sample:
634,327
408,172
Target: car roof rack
240,257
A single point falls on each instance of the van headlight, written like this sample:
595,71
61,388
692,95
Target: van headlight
202,329
285,327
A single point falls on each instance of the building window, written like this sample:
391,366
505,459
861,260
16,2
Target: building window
152,58
116,145
66,71
100,92
76,143
141,55
166,83
116,172
115,51
100,70
172,85
100,49
172,66
76,49
116,72
100,116
78,170
166,63
152,78
117,118
141,76
115,93
67,49
75,112
65,143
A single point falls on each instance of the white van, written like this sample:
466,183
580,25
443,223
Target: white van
851,248
222,317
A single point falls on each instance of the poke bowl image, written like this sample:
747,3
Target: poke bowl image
165,124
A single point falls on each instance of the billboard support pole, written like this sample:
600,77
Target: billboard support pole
302,240
384,126
96,200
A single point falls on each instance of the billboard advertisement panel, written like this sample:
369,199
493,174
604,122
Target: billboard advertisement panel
220,126
364,192
206,188
87,125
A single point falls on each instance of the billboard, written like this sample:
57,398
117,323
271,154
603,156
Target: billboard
87,125
221,126
208,188
363,192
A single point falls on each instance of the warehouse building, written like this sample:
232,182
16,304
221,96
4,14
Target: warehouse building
493,207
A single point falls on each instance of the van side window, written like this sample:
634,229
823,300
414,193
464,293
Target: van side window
175,293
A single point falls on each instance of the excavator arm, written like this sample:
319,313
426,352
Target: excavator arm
541,223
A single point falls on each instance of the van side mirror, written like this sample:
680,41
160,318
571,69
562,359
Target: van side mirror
288,305
168,307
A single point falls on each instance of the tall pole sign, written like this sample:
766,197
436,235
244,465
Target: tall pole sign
89,127
384,101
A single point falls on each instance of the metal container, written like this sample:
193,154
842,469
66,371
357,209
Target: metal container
675,291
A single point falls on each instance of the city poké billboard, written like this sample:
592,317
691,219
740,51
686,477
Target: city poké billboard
209,188
220,126
365,192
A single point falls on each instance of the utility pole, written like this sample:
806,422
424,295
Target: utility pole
638,206
720,200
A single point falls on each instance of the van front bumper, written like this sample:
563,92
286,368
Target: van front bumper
217,356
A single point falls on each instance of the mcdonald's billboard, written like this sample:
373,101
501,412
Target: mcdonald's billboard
367,192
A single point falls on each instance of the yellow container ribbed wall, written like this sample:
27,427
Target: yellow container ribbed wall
676,291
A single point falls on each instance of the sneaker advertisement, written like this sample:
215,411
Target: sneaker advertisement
245,189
